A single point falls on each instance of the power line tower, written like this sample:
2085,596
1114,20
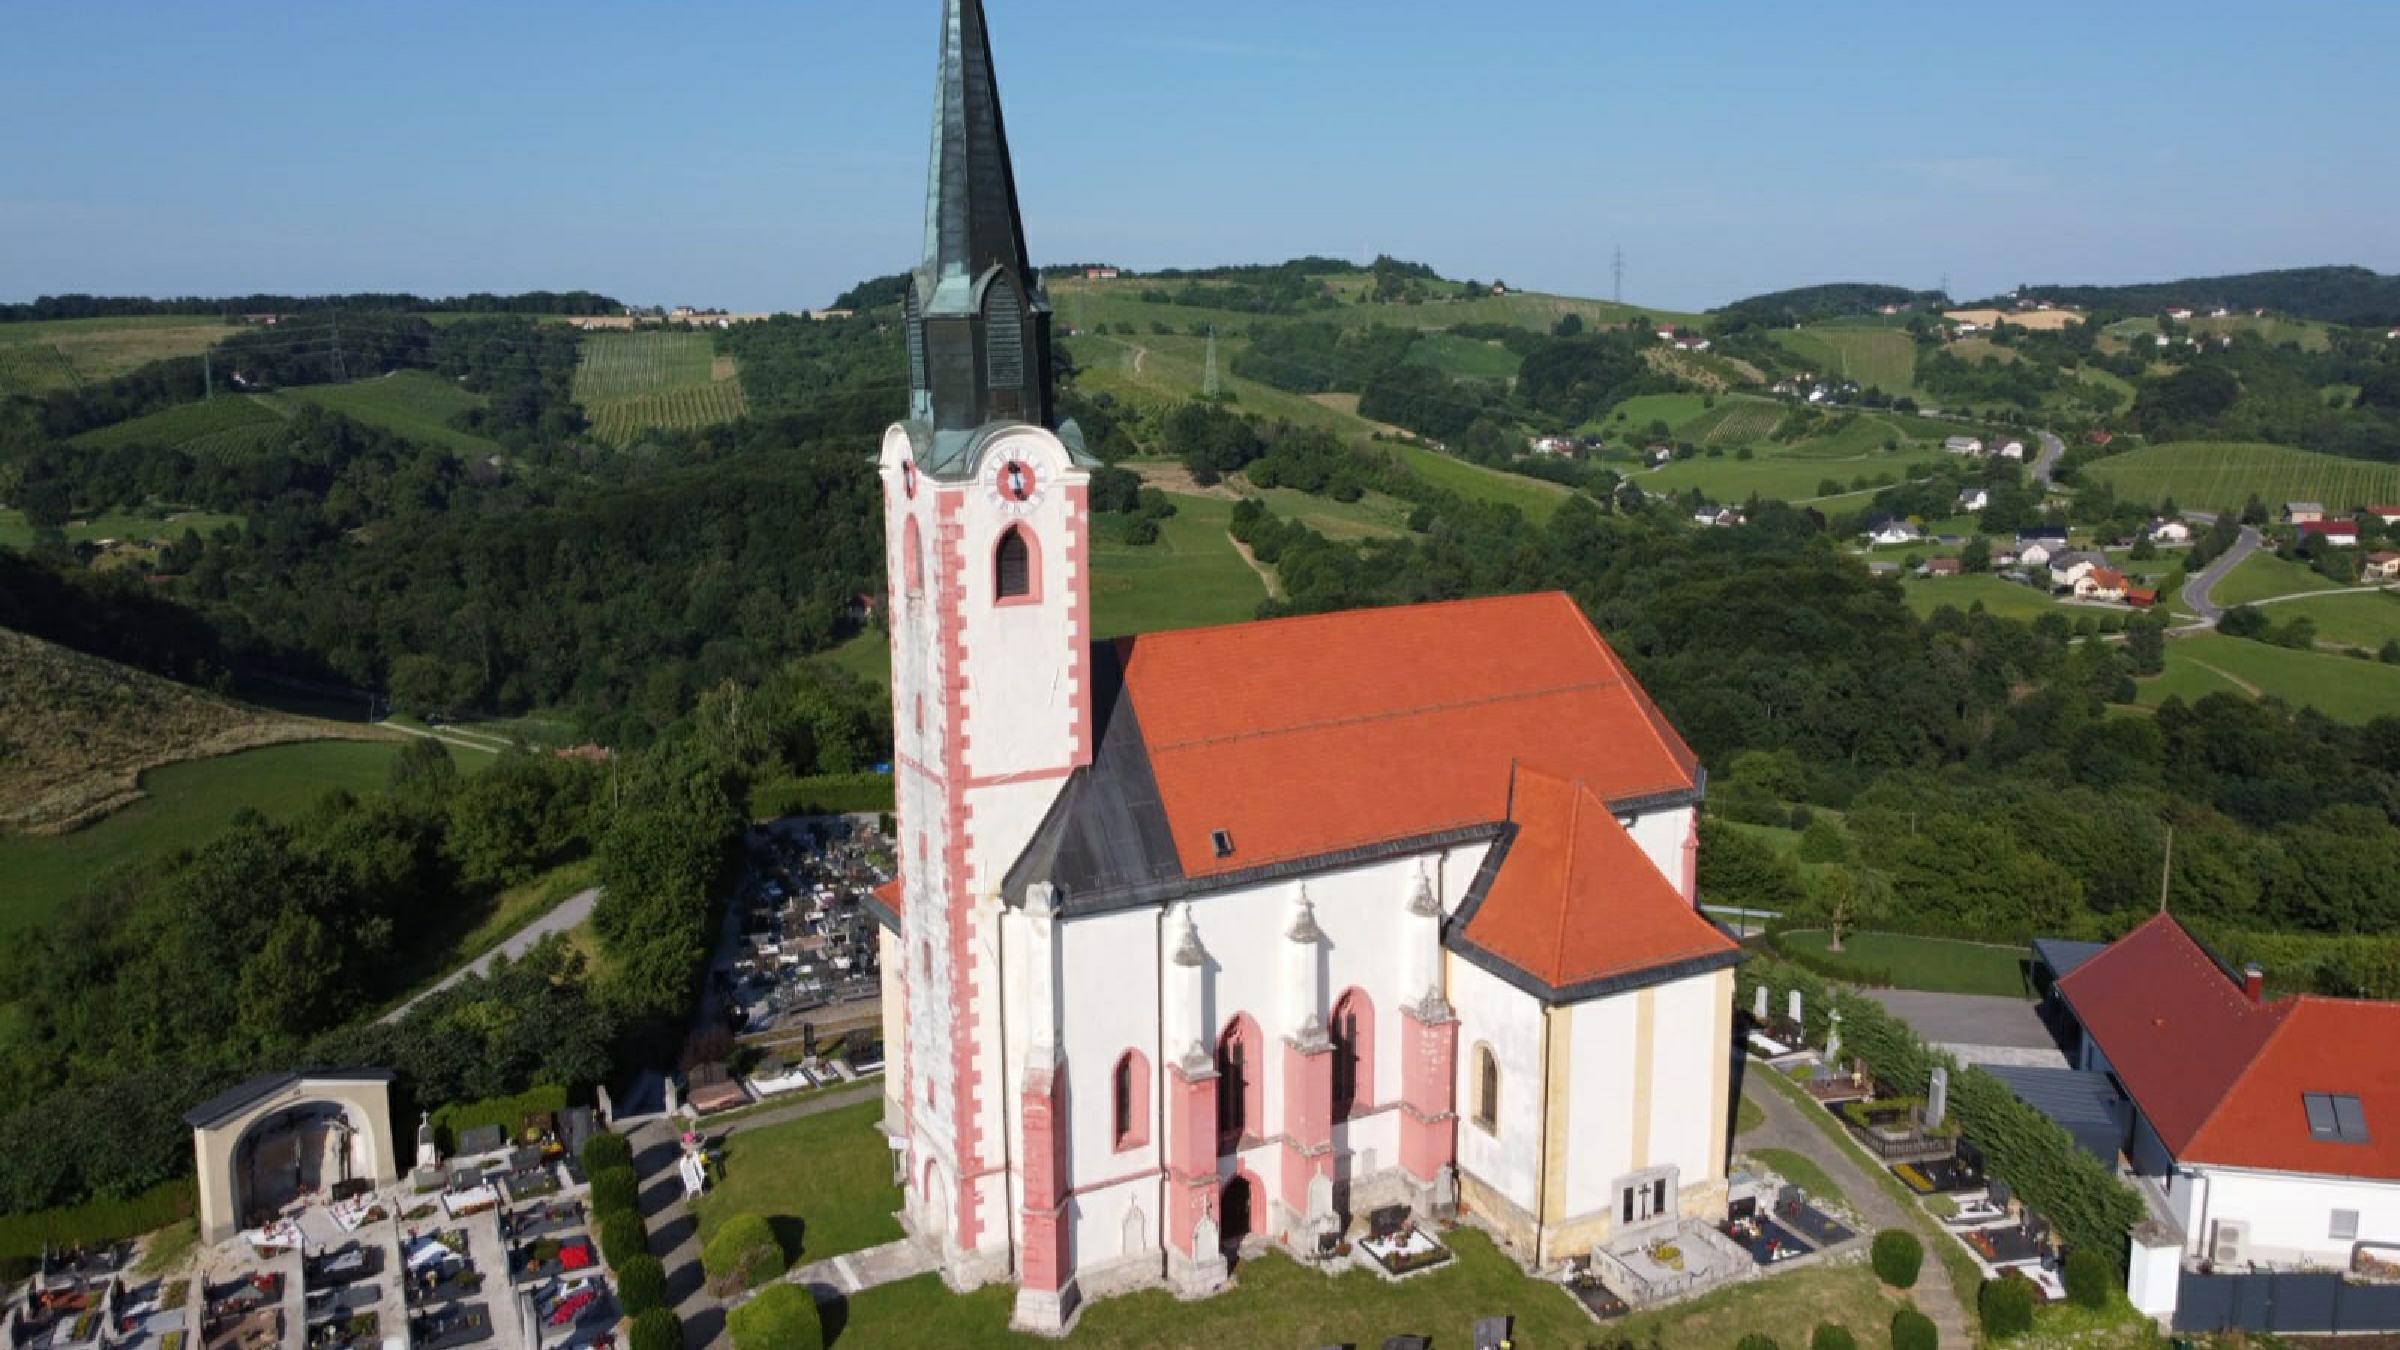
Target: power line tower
1620,292
1209,387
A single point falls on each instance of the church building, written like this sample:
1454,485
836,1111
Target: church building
1232,935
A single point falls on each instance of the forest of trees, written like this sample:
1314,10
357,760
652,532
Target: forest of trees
134,306
2344,295
1811,304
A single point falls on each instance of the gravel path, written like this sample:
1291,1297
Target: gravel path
1784,1128
568,913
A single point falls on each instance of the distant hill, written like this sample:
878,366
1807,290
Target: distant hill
2348,295
77,732
1809,304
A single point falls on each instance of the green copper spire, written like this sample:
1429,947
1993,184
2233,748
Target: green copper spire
978,319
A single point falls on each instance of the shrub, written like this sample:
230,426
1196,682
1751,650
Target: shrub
642,1284
1832,1337
1913,1330
616,1189
2089,1278
782,1317
656,1329
1756,1341
602,1152
2006,1305
508,1113
622,1237
24,1236
742,1255
1898,1255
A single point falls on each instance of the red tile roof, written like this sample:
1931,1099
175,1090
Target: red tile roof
1303,737
1577,900
2329,527
889,894
2220,1077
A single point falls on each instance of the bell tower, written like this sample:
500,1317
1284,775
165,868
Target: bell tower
987,539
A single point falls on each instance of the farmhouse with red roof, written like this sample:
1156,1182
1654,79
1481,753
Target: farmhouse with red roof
1226,937
2268,1128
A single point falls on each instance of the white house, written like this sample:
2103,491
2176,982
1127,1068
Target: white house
2170,531
1212,939
2011,450
1974,499
2098,583
1891,533
2269,1128
2068,568
1963,445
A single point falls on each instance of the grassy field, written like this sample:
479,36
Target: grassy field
823,1181
1275,1302
1465,358
137,526
1734,421
1798,470
1190,578
2365,619
2341,687
2006,599
36,358
868,656
1374,516
2263,576
77,733
183,804
1535,497
1798,1169
228,425
629,383
2222,476
1937,964
1875,356
416,404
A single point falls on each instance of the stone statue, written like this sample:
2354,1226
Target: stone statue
1937,1098
1793,1002
429,1153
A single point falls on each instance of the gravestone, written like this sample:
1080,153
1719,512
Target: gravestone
608,1108
1937,1098
1445,1193
429,1152
1833,1036
1136,1233
1758,1005
1793,1003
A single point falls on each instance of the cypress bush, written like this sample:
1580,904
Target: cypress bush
642,1285
604,1151
656,1329
1831,1336
2089,1278
2006,1306
782,1317
1898,1256
741,1255
616,1189
1913,1330
622,1237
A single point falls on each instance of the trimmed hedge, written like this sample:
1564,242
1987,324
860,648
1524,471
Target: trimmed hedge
656,1329
622,1237
782,1317
2040,1161
641,1284
614,1190
1897,1256
835,794
742,1255
2088,1278
1831,1336
1913,1330
1854,972
22,1236
2006,1306
508,1113
604,1151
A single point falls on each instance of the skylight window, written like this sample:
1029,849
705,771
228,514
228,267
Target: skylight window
1223,841
2335,1118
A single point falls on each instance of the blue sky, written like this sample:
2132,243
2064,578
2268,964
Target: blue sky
765,155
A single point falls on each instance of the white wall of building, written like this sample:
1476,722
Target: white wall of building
1602,1096
1494,1013
2290,1215
1662,836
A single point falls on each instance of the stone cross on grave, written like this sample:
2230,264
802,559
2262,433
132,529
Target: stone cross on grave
1758,1005
1937,1098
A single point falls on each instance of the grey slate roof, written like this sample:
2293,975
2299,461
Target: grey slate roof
243,1095
2063,955
2086,1105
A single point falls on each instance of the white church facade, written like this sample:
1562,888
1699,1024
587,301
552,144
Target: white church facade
1231,935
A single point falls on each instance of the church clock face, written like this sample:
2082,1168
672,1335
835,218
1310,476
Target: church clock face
1014,487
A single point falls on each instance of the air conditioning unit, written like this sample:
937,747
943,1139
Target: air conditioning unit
2232,1245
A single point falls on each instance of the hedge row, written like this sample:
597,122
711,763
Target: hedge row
1873,976
23,1236
839,794
2040,1161
506,1112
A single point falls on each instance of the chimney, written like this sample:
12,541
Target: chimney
2254,982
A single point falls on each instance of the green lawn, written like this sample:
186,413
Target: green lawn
823,1181
2352,618
1536,497
2263,576
416,404
1796,1168
1190,578
1374,516
2344,688
1276,1302
1632,418
139,526
868,656
1876,356
1747,1115
1941,965
2222,476
186,804
2006,599
1465,358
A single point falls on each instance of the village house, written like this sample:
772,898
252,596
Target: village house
1100,274
1890,533
2141,597
1940,567
2101,583
2068,568
2267,1129
2170,531
2339,533
1974,499
2389,515
2011,450
1558,446
2303,513
2382,565
2179,314
1963,445
2098,437
1722,517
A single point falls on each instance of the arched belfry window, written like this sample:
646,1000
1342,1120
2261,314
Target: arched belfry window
1012,567
1004,346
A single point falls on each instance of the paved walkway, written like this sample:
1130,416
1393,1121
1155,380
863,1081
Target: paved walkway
2197,590
568,913
1785,1128
675,1229
1976,1028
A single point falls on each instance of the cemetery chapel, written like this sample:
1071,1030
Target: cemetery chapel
1225,936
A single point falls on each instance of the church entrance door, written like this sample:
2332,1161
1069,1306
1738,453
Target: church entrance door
1235,1211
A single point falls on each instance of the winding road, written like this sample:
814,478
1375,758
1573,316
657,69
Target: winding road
2046,464
2196,589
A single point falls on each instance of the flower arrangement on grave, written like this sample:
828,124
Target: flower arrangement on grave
1667,1254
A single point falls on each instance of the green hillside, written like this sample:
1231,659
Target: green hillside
229,424
42,356
2221,476
629,383
417,404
